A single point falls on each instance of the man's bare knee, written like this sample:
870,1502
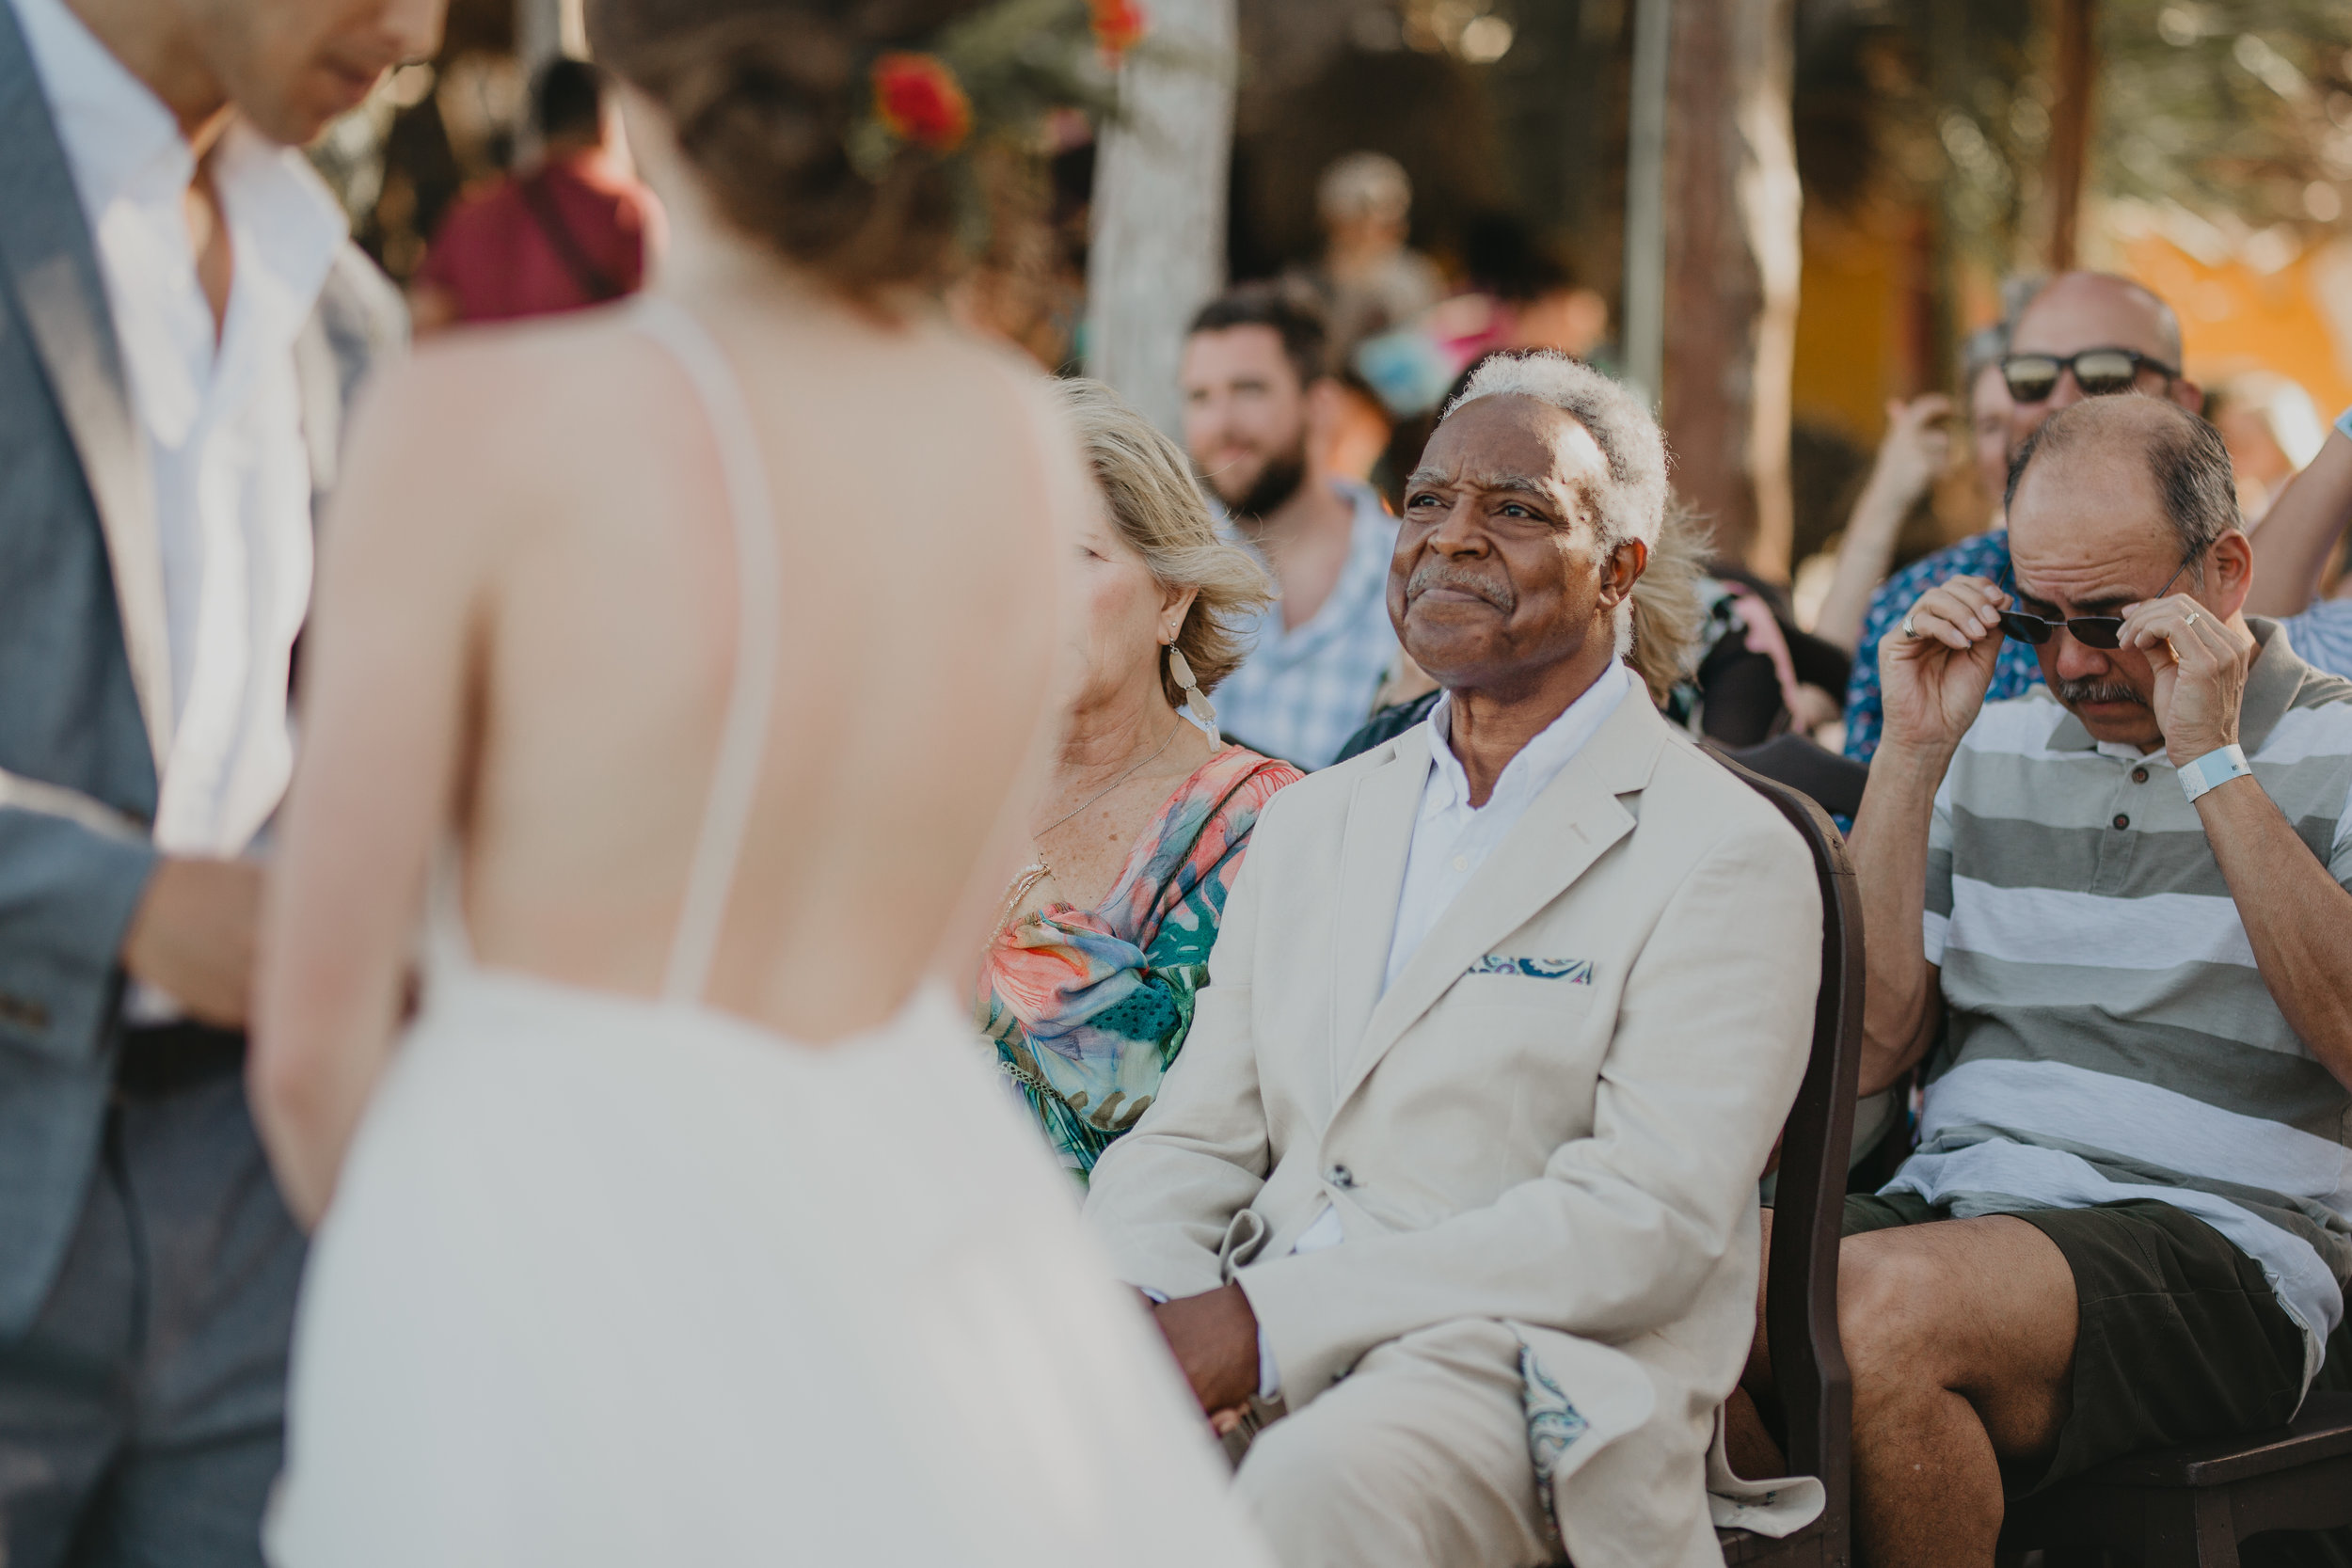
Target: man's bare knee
1982,1307
1895,1303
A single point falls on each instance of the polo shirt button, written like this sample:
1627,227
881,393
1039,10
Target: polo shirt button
1340,1177
2121,820
1461,863
2140,775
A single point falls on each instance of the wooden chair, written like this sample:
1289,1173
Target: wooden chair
1800,1281
2190,1507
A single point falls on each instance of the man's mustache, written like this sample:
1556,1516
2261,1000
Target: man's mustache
2072,692
1444,573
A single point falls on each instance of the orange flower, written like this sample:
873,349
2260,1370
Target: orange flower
1119,25
919,100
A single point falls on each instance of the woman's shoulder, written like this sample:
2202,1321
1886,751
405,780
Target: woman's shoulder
1237,771
1228,792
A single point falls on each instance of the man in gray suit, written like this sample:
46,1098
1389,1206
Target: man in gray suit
182,319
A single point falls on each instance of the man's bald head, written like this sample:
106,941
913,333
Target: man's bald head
2097,310
2181,466
2080,311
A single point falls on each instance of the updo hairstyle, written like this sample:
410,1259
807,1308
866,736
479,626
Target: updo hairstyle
1158,509
762,94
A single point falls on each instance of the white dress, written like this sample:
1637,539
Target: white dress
612,1281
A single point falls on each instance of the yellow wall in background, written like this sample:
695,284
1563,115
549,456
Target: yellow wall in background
2236,318
1849,315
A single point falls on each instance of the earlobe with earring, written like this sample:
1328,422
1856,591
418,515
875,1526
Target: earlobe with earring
1180,670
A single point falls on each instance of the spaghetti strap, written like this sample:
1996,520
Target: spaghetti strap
726,811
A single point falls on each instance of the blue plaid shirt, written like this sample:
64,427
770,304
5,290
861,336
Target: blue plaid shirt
1983,555
2322,635
1303,693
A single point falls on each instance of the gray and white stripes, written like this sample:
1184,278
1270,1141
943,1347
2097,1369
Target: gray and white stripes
2110,1036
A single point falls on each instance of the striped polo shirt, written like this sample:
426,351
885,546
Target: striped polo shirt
2110,1038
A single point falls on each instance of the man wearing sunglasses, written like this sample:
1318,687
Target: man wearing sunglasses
2123,900
2082,335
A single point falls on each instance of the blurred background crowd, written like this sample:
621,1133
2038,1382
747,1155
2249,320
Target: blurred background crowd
1849,199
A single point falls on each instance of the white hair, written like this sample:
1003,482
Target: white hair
1630,502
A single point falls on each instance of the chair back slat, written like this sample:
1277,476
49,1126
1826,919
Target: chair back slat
1801,1279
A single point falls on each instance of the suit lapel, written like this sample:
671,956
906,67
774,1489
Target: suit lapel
48,262
1379,834
1569,827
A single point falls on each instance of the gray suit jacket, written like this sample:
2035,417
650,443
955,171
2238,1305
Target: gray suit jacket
85,683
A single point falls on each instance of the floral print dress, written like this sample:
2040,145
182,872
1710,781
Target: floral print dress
1089,1007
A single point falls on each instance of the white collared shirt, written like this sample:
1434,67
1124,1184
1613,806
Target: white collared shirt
1451,839
220,413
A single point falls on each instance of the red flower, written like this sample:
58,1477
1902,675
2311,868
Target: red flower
1119,25
919,100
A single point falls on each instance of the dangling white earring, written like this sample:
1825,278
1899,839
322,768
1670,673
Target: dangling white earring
1180,670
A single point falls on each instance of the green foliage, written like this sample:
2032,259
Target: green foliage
2241,112
2230,109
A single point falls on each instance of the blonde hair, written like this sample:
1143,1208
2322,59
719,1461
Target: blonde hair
1158,509
1667,614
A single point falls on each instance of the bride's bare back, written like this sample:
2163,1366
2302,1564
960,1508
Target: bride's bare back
525,633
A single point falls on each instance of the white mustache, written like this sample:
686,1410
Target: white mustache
1439,573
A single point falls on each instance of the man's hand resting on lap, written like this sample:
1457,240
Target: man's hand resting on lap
1214,1337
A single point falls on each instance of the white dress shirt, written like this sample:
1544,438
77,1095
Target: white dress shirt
1451,839
220,412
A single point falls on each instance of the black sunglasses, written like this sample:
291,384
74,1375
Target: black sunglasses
2098,372
2092,631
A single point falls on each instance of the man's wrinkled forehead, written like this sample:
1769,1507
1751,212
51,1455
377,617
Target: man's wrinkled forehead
2085,505
1508,442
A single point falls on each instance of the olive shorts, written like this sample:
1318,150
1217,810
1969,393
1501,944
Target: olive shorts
2180,1338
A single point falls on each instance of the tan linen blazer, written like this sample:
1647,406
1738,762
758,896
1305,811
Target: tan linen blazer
1575,1156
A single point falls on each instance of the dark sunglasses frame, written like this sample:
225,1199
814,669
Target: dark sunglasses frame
2066,365
2092,631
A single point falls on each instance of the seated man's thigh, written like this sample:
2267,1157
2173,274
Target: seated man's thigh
1984,1308
1418,1456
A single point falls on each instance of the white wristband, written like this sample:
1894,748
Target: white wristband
2213,768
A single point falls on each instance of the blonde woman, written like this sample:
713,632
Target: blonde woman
1087,988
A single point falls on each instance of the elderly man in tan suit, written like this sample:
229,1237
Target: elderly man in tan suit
1454,1183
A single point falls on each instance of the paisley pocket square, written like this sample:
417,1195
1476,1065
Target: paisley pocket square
1576,971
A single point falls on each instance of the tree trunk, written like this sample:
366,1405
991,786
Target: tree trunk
1160,179
2075,26
1732,260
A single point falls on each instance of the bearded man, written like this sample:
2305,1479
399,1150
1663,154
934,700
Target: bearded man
1257,390
1452,1186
